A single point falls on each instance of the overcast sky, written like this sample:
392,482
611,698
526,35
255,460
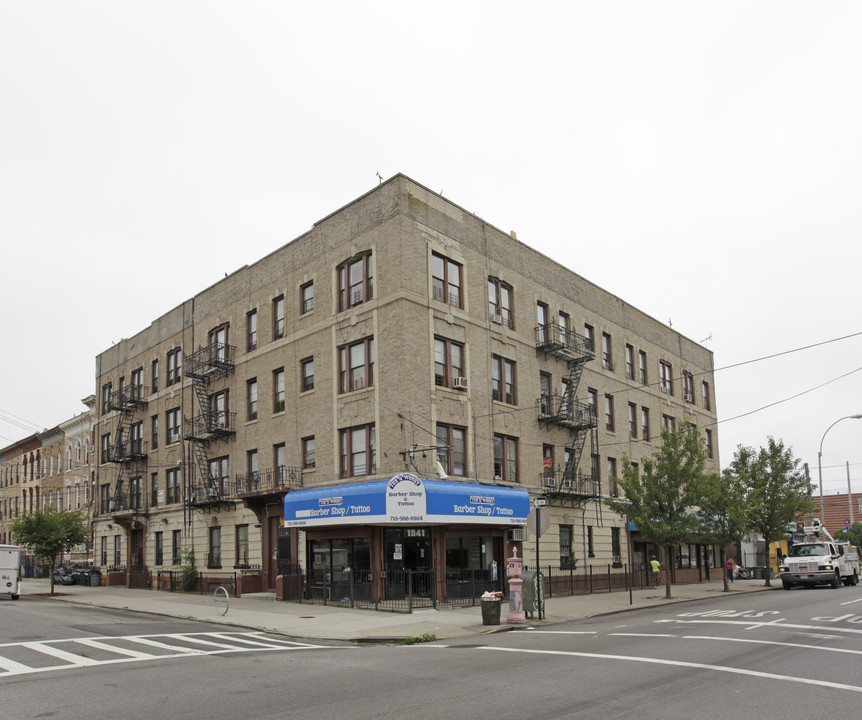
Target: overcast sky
701,160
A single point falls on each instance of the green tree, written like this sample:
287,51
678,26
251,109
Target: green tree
722,513
659,502
777,491
853,535
49,532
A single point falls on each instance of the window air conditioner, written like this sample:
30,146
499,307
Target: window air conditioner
518,534
617,560
689,398
550,481
460,382
665,389
496,318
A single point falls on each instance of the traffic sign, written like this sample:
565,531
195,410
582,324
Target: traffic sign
540,502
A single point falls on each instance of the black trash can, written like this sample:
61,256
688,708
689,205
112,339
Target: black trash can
491,610
95,578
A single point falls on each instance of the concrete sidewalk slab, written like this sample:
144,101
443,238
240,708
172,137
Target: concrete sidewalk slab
328,622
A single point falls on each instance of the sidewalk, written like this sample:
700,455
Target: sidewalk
327,622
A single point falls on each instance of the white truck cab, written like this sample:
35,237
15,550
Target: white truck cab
819,559
10,570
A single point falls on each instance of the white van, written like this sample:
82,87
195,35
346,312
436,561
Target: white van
10,570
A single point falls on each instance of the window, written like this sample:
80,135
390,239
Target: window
548,460
565,324
251,331
251,399
136,446
103,551
154,376
503,380
213,559
630,362
175,366
160,547
355,281
607,358
219,475
642,367
616,548
545,393
506,458
252,466
218,342
448,362
306,298
356,365
278,391
708,443
633,420
595,473
593,402
446,280
452,448
154,432
154,490
136,388
176,547
219,411
666,376
172,486
279,459
590,337
645,423
358,452
106,398
612,477
542,331
704,390
308,456
500,302
307,369
669,423
688,387
173,425
278,317
609,413
591,549
118,554
242,545
567,547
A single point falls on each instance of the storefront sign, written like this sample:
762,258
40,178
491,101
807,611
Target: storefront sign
404,500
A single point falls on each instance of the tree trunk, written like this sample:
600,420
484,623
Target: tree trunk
51,563
668,554
766,542
723,558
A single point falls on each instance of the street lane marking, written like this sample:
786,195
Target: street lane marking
680,663
773,642
112,648
646,635
77,660
251,642
780,626
563,632
850,602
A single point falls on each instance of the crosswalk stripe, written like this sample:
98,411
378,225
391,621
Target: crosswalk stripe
245,641
12,666
209,643
165,646
114,649
56,652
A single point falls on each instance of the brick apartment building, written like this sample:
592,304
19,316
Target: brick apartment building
402,344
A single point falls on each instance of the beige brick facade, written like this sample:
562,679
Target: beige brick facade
390,239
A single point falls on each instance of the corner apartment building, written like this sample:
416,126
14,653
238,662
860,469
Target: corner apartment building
402,355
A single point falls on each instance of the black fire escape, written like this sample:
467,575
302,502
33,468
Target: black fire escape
567,486
205,491
127,451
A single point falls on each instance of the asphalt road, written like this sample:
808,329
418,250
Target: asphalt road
763,655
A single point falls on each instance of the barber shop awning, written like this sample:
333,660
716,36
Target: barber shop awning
407,500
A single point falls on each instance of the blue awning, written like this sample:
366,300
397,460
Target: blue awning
407,500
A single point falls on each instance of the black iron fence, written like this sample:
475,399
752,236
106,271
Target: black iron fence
204,582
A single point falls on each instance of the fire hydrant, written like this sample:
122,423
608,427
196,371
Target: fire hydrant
516,597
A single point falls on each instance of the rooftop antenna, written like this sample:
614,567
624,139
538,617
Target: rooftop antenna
379,178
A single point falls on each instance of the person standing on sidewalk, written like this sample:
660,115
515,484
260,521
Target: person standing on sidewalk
656,571
728,568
